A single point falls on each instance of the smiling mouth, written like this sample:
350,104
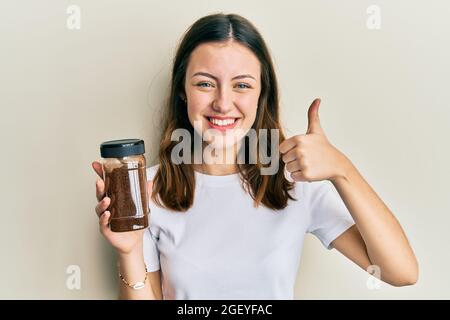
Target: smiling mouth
222,122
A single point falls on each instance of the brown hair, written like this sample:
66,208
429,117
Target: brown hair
175,184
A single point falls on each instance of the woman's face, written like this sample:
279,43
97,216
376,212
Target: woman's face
222,88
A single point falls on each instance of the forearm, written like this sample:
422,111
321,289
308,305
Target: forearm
386,243
132,268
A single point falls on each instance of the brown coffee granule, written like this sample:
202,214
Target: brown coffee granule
127,188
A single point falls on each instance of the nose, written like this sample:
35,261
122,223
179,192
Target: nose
223,103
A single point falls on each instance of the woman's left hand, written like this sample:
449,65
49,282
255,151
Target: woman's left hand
311,157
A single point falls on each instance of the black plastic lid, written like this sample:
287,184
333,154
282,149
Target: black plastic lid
122,148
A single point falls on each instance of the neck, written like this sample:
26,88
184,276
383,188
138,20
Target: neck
222,166
216,169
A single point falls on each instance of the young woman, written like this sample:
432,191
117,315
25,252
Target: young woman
224,230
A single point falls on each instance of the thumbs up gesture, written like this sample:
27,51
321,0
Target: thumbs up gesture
311,157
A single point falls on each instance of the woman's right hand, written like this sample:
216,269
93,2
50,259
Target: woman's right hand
123,242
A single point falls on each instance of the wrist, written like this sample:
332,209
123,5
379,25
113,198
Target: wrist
136,285
345,171
132,269
135,252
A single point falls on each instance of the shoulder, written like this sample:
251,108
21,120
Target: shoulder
313,191
151,171
308,190
318,187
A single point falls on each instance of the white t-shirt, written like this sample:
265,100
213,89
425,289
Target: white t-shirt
225,248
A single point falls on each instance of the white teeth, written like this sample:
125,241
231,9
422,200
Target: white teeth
218,122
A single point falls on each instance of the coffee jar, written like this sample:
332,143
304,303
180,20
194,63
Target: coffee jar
124,174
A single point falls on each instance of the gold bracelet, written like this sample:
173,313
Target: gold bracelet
138,285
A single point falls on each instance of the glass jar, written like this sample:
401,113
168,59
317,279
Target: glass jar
124,174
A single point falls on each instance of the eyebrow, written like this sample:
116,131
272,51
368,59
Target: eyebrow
241,76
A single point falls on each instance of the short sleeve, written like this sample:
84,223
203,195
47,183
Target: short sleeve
151,252
329,217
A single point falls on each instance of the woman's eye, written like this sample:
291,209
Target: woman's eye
210,85
204,85
243,86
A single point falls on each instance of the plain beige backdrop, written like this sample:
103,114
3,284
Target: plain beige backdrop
385,95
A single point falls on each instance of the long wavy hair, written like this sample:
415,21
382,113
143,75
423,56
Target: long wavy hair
174,184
